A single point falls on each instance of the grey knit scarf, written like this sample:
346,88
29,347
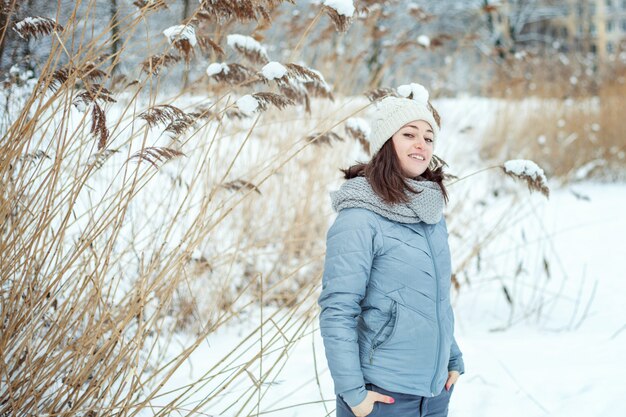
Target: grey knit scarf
427,206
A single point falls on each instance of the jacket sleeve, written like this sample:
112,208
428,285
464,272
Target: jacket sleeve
456,356
351,244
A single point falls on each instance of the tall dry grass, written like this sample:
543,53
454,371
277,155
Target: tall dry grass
562,111
127,219
130,220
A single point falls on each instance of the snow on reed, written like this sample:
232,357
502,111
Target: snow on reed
217,68
343,7
180,32
528,171
35,26
248,46
247,104
273,70
358,124
424,41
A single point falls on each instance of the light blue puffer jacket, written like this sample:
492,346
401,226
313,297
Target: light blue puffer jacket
385,313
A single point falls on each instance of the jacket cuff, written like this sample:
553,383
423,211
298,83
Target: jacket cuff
354,396
456,365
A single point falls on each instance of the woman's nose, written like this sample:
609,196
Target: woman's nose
419,143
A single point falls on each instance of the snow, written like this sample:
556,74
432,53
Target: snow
359,124
561,353
559,360
563,363
273,70
584,170
178,32
34,21
216,68
539,367
245,42
524,167
343,7
420,93
424,41
247,104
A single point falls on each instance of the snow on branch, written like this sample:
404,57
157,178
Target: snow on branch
248,47
178,32
297,82
230,73
250,103
424,41
529,172
359,129
247,104
273,71
183,38
340,12
35,27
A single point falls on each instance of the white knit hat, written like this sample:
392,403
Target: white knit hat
392,113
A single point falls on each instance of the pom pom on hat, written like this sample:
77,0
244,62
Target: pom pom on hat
420,93
391,113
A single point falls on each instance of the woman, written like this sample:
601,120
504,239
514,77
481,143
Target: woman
386,318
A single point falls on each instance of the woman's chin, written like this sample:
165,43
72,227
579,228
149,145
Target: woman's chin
412,173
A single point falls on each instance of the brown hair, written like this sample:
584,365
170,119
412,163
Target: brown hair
385,175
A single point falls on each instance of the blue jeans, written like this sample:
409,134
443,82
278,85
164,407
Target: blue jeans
405,405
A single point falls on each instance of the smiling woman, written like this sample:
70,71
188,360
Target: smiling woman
386,318
413,144
403,130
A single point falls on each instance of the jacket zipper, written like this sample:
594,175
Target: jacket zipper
391,315
432,258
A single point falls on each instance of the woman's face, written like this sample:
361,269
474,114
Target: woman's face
413,144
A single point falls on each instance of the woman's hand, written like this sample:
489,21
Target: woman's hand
367,405
452,377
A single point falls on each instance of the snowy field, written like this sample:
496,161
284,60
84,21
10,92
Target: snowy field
149,231
556,352
571,366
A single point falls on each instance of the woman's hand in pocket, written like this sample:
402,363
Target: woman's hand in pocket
452,377
366,406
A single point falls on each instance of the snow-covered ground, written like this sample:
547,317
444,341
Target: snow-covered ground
571,365
557,352
568,363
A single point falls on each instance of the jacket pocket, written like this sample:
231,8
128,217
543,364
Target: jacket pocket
380,338
396,295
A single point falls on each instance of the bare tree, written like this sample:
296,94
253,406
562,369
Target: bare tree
115,44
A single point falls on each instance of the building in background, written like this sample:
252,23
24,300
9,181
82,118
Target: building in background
594,26
598,26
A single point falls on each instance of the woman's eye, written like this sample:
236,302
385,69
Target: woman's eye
429,139
408,135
